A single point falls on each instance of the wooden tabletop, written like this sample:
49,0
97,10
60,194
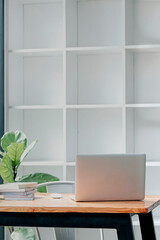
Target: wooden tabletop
45,203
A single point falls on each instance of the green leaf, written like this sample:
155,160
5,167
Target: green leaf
27,150
6,169
13,137
38,177
15,151
2,153
23,234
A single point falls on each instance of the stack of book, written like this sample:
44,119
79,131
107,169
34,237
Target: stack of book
18,191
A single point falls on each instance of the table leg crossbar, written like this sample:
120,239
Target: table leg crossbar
121,222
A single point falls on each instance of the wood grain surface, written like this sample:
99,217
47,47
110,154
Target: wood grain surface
45,203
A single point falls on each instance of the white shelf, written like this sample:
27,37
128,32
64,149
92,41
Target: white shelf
144,48
85,50
94,106
34,107
37,52
153,164
145,105
84,106
39,1
95,50
70,164
42,163
89,0
62,163
47,163
73,50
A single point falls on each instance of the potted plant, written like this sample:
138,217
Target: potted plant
14,151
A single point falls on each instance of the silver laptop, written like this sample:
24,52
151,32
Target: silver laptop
110,177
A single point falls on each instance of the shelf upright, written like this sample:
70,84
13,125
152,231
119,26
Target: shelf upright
124,74
64,91
6,116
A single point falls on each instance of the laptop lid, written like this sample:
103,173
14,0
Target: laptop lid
110,177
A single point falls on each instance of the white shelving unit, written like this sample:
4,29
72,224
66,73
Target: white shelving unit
83,77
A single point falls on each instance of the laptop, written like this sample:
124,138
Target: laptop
110,177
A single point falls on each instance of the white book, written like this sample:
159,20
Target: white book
16,186
15,190
15,193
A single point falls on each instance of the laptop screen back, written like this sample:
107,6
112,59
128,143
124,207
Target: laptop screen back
110,177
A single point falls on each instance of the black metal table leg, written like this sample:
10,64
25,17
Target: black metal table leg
125,231
147,226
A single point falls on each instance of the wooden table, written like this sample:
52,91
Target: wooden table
45,211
